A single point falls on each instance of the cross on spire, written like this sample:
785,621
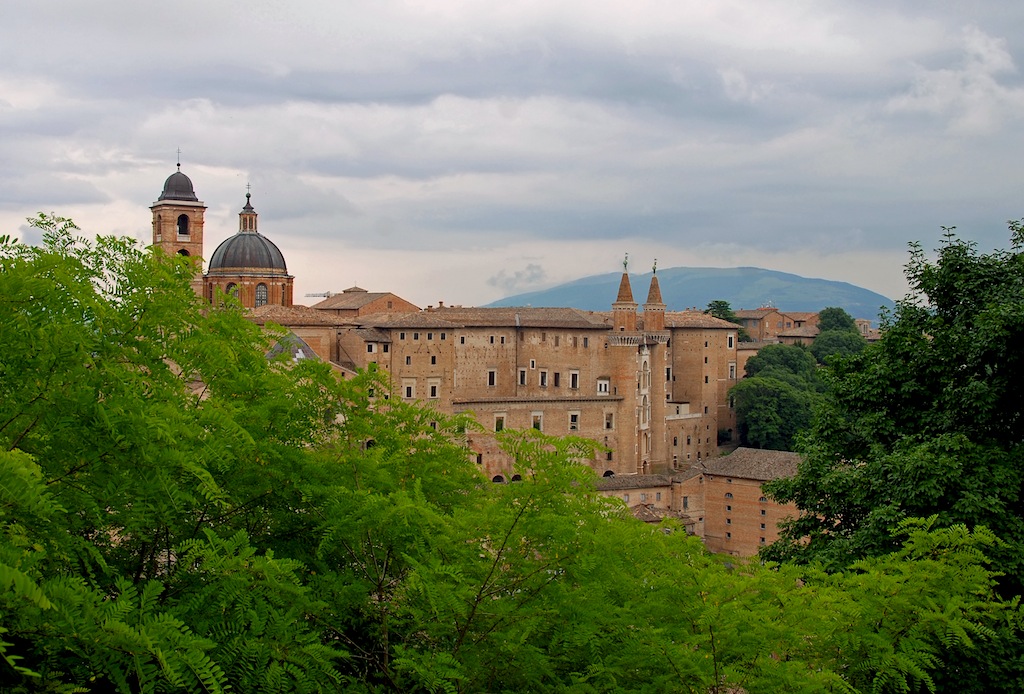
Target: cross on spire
179,159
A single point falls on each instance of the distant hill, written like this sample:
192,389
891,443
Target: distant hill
689,287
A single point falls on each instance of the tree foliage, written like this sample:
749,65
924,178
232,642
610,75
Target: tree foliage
835,318
719,308
832,343
775,401
179,513
927,422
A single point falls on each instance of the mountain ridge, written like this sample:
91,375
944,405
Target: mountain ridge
694,287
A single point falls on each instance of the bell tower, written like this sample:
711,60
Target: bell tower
178,222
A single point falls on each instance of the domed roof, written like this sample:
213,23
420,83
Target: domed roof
178,186
247,251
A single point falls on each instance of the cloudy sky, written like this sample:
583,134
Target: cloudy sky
466,150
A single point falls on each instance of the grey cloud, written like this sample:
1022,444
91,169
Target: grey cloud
530,277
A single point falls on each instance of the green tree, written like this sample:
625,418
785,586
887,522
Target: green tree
774,403
719,308
837,342
925,422
835,318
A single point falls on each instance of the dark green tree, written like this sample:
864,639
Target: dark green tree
719,308
835,318
926,422
843,343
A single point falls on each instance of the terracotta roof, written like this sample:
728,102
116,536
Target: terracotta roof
754,464
521,316
647,513
654,293
632,482
420,319
373,334
696,319
625,291
802,315
755,313
353,298
290,315
805,331
754,344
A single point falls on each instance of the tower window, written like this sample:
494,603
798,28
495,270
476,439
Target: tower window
183,225
261,294
183,252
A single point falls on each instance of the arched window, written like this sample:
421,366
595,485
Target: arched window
183,225
497,479
608,473
517,478
231,289
183,252
261,294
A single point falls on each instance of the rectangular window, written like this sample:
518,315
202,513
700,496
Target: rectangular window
430,336
603,386
763,512
686,503
462,339
574,421
492,378
408,391
538,421
609,420
401,336
625,497
415,336
502,339
558,379
385,348
556,340
479,458
668,374
444,336
732,371
705,379
369,348
533,363
732,341
522,377
608,455
574,380
728,536
408,361
643,496
499,422
433,359
492,339
543,379
433,391
762,526
586,342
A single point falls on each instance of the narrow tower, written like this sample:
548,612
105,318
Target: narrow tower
624,308
654,307
178,222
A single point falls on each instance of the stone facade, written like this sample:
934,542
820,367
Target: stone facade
719,500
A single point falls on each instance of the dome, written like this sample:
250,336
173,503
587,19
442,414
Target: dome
178,186
247,251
